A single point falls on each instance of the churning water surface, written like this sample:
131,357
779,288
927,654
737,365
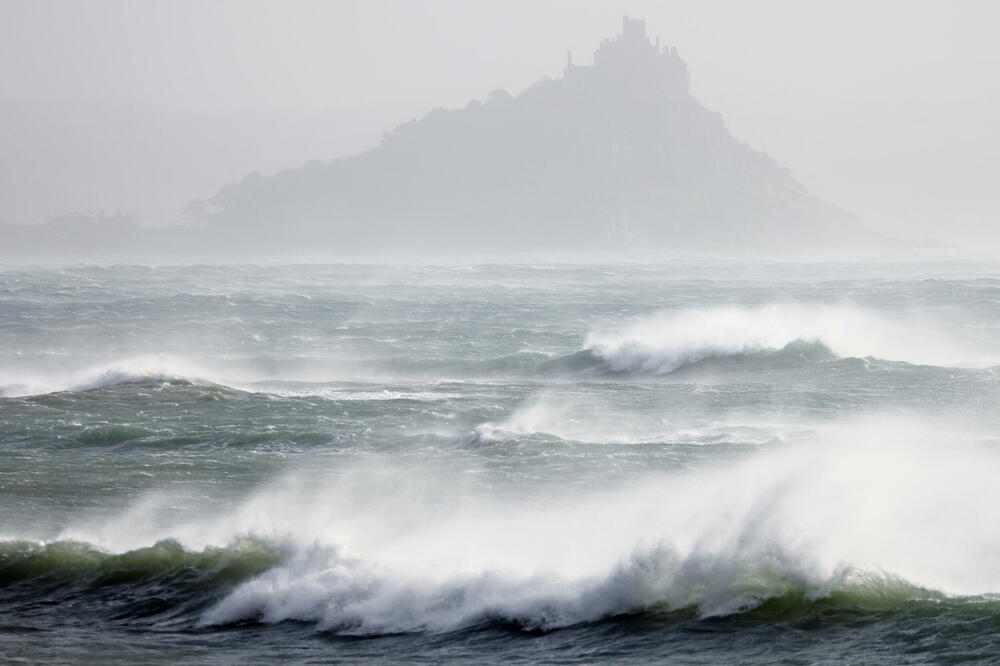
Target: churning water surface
692,462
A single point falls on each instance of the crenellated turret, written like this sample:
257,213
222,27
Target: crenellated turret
631,58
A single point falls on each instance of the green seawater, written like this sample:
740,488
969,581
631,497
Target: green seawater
687,462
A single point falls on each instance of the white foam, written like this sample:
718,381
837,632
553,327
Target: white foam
364,396
582,419
665,342
393,547
133,368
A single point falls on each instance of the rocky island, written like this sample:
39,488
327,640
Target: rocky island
617,154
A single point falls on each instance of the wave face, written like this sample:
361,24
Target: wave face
577,463
23,561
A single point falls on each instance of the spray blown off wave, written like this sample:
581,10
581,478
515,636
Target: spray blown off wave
664,343
234,457
766,336
140,368
868,519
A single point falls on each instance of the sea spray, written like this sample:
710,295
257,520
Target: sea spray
388,548
667,341
443,453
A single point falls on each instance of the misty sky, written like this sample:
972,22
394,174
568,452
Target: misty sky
888,108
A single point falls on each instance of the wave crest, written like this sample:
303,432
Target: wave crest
22,560
351,598
389,546
160,368
665,343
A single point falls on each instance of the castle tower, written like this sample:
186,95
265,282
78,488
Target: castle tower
634,32
633,60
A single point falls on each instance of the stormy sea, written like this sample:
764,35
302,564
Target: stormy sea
689,462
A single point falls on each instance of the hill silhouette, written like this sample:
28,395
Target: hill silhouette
616,154
612,156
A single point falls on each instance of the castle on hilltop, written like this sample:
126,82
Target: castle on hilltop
633,57
615,154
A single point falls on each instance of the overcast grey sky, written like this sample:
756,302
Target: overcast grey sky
885,107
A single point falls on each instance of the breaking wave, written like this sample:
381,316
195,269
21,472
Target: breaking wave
665,343
136,369
238,375
866,520
349,598
728,338
248,581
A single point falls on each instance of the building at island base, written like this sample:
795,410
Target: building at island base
632,60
